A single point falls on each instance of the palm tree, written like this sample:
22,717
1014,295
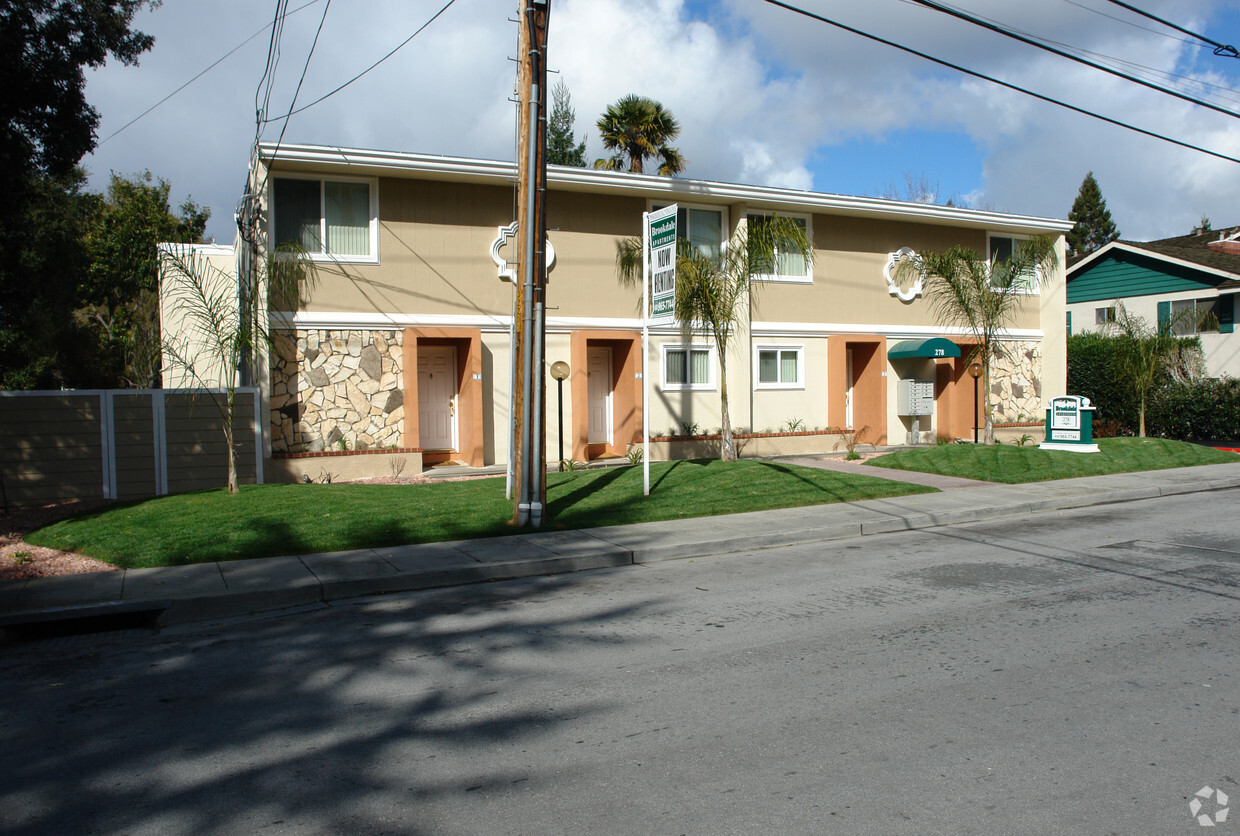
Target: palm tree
637,128
712,292
982,296
1147,352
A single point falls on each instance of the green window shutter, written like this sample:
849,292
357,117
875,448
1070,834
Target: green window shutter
1226,311
1164,315
1069,323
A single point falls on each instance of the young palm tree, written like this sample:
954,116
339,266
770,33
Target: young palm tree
637,128
982,296
1147,352
225,330
712,293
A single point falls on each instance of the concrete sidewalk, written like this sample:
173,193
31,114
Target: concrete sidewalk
214,590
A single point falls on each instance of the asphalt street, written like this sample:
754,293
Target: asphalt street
1067,672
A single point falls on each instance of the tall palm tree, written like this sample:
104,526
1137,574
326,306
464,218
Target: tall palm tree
637,128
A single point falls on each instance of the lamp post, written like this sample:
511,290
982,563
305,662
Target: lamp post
559,371
975,371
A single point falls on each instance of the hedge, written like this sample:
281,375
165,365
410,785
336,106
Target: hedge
1207,410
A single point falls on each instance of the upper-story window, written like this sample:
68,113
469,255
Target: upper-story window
702,227
787,264
1001,249
334,218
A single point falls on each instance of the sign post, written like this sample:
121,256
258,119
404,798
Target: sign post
658,303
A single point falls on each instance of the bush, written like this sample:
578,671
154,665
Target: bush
1206,410
1094,373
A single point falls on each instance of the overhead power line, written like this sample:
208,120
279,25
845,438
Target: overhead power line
203,72
1007,33
395,49
992,80
1225,50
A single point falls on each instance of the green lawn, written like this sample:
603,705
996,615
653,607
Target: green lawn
1013,465
266,520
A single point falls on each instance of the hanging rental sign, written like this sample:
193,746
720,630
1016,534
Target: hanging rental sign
662,232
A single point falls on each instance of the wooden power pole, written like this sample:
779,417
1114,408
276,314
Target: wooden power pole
529,389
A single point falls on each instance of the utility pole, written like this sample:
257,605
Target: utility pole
529,386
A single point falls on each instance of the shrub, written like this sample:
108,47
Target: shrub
1204,410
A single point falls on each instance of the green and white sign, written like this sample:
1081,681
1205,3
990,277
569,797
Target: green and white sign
663,263
1069,425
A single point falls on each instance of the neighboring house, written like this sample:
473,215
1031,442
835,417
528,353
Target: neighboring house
404,339
1157,280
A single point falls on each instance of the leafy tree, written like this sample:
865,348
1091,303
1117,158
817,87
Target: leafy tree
46,127
225,333
1092,227
982,296
713,292
636,129
562,148
119,292
42,260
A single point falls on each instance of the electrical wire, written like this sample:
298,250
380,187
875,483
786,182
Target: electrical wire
1149,72
1007,33
268,77
1222,50
201,73
297,92
395,49
992,80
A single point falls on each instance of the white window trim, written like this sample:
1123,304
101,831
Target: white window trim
724,237
808,277
800,351
712,366
322,257
1036,290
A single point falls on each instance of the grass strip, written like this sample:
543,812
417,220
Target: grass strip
269,520
1014,465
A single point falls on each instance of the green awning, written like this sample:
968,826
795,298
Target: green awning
932,348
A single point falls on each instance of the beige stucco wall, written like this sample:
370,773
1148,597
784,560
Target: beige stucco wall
434,266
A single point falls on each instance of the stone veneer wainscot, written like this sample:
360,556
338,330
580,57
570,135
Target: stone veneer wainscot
333,385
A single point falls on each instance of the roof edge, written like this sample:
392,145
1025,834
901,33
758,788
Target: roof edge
650,185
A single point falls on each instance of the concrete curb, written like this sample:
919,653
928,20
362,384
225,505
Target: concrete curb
218,590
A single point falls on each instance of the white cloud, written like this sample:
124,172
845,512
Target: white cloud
761,94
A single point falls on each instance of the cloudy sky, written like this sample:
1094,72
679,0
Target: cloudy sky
765,96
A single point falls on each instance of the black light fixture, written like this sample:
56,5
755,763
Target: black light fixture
559,371
975,371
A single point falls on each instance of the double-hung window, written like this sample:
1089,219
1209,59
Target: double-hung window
1001,249
785,264
328,218
779,366
688,367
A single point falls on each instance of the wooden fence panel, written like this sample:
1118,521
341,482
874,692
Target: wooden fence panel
121,444
51,447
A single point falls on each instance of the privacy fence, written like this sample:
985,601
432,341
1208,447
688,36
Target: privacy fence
123,443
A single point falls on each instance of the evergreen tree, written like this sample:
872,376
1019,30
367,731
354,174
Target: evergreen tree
1092,226
561,147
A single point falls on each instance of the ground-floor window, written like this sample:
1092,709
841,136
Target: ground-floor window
779,366
688,367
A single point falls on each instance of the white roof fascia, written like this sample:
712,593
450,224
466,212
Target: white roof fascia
1157,256
652,186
